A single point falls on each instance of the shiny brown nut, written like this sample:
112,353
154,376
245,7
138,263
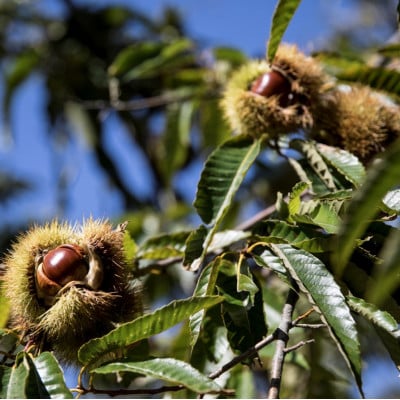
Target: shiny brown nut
64,264
273,83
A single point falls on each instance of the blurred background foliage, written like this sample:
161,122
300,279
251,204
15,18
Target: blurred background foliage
149,76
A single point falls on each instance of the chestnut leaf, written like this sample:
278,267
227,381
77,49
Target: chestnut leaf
112,345
168,369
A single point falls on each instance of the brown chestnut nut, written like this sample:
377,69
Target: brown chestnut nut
273,83
64,264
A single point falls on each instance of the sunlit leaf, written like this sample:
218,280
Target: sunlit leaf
267,259
112,345
346,163
222,175
226,238
315,161
168,369
298,235
295,197
130,247
324,293
392,200
320,214
283,14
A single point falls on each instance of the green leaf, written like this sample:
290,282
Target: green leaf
283,14
314,160
295,197
24,380
112,345
132,56
205,287
9,341
169,56
176,138
222,175
164,246
365,204
384,323
324,293
391,50
130,247
357,71
168,369
241,381
18,378
226,238
269,260
392,200
5,375
320,214
377,317
300,236
242,310
234,56
52,376
344,162
195,246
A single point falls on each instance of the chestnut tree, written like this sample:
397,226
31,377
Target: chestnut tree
273,280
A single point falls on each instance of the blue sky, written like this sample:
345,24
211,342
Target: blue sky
237,23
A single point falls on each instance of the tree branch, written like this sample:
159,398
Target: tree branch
281,342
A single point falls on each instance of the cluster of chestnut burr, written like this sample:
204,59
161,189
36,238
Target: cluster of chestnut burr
295,94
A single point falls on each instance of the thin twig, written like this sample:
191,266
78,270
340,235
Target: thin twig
302,316
281,342
256,218
298,345
310,326
141,104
